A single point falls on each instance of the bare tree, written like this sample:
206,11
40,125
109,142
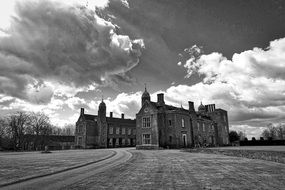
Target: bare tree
274,132
280,131
17,124
266,134
241,135
38,123
3,130
68,130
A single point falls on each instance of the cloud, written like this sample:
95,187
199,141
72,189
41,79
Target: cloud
75,103
69,44
251,86
248,130
129,104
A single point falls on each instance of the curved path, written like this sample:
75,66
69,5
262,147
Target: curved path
66,178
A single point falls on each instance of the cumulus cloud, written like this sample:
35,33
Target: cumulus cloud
248,130
75,103
129,104
65,43
251,86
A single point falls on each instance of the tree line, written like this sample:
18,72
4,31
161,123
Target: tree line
14,129
272,132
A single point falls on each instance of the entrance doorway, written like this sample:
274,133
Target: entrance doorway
184,139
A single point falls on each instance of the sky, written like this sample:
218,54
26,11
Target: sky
57,56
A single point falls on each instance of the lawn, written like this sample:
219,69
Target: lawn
15,166
174,169
269,153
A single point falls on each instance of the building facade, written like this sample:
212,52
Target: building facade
100,131
161,125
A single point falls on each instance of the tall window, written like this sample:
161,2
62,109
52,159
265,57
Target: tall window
146,138
79,141
80,128
169,122
198,126
110,130
123,131
117,130
129,131
183,122
203,126
146,122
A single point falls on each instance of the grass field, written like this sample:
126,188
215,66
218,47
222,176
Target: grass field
174,169
20,165
152,169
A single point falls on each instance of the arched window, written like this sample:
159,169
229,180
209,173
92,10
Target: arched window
183,122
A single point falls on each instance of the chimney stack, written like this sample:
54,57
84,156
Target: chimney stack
191,106
160,99
210,108
111,114
123,116
81,111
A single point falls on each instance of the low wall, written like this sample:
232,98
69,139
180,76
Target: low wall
274,156
262,143
147,147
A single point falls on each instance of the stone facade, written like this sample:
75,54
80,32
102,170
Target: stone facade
160,125
100,131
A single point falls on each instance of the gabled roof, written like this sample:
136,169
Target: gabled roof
90,117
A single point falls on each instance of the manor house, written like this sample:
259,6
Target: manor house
100,131
161,125
157,125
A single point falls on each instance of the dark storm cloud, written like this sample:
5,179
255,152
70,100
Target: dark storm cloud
168,27
50,41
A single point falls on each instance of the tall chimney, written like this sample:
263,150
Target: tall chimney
210,108
191,106
123,116
111,114
160,99
81,111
